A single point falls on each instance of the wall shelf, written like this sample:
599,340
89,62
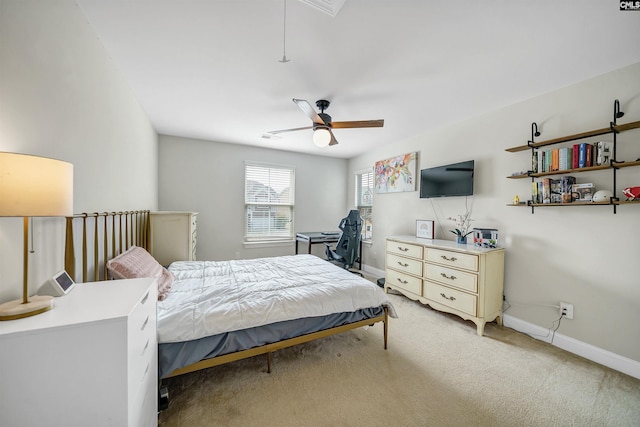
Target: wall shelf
613,165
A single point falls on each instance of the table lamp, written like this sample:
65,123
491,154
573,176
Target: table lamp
32,186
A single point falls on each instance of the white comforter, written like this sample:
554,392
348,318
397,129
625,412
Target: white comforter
211,297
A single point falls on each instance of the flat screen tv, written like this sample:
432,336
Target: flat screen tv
449,180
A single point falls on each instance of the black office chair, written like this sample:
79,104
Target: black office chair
347,250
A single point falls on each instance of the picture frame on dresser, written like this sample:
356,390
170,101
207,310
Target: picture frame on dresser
425,229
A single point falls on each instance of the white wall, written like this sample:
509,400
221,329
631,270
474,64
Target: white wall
208,177
583,255
61,96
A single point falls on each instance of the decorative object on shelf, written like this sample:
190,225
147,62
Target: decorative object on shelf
602,196
516,200
32,186
583,192
396,174
424,229
463,222
485,237
632,193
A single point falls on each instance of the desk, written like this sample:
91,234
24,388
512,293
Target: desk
316,237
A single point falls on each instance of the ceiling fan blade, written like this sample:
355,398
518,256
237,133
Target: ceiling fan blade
309,111
289,130
333,141
358,124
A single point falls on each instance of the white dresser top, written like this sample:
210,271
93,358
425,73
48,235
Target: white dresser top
86,302
443,244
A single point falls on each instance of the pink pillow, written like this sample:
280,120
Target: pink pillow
137,262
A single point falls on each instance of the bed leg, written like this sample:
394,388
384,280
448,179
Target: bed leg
268,362
386,327
163,397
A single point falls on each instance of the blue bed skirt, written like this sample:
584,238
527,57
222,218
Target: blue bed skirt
172,356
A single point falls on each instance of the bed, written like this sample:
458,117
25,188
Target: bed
214,312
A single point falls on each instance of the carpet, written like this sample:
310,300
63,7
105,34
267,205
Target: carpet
436,372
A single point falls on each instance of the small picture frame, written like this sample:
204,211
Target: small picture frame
424,229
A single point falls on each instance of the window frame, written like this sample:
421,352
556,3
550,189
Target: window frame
271,205
365,209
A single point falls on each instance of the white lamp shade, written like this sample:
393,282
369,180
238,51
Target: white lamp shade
321,137
35,186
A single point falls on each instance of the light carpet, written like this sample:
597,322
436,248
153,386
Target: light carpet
436,372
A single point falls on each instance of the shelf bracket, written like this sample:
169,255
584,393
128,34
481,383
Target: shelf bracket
534,133
616,114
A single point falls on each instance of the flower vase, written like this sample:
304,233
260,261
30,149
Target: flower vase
462,240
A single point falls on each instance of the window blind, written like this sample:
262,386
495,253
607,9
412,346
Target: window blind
269,202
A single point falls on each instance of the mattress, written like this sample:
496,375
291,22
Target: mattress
213,297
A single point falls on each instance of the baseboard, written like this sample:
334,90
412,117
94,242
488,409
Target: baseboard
604,357
373,271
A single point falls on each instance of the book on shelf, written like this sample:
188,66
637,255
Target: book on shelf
583,192
534,162
555,159
603,152
546,190
582,157
565,158
547,160
541,161
575,156
589,156
566,188
534,192
556,194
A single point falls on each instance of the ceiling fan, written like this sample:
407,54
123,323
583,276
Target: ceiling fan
322,124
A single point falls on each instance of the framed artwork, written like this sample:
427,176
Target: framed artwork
396,174
424,228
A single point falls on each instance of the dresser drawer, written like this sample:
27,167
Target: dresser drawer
451,277
406,249
405,265
453,259
395,279
451,297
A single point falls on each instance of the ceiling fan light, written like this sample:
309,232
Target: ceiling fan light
321,137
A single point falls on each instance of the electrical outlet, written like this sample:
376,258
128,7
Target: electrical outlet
566,310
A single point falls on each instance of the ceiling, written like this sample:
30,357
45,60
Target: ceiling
210,69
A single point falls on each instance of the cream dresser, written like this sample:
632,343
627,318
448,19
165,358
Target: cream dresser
459,279
173,236
90,361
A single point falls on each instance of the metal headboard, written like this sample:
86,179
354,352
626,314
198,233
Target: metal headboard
103,235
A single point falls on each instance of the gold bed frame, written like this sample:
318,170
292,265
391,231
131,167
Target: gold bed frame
108,234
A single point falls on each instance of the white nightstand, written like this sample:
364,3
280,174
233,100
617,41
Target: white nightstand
91,360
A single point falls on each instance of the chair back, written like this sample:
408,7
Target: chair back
348,246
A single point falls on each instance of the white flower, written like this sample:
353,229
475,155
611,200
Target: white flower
463,222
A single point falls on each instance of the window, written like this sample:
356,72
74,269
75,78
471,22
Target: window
269,194
364,201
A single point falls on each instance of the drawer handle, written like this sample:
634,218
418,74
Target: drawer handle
144,299
448,277
446,297
145,347
402,265
404,282
403,249
144,325
444,257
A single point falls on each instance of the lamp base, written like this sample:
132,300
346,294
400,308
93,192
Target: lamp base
17,310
